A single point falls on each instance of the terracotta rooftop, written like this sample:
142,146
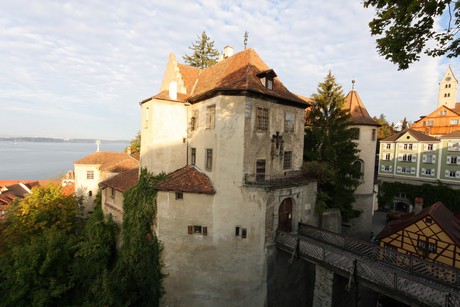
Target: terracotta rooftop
453,135
188,179
235,75
359,115
114,162
438,212
419,136
123,181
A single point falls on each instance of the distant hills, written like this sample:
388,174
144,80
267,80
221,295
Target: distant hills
57,140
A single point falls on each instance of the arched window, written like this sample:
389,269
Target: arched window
358,165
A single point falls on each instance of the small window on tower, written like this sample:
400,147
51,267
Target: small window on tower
179,195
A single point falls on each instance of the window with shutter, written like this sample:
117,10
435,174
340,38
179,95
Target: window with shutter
447,173
412,170
390,168
448,159
424,158
423,171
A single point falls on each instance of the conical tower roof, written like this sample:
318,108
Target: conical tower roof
358,112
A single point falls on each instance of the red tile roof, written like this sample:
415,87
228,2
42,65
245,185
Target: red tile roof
438,212
236,75
114,162
419,136
188,179
357,111
453,135
123,181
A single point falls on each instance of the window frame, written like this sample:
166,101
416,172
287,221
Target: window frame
90,175
261,164
289,124
211,116
287,160
193,156
262,119
208,159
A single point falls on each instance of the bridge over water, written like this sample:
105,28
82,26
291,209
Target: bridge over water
410,279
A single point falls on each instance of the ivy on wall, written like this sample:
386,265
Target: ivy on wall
430,194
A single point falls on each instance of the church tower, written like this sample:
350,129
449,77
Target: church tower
448,90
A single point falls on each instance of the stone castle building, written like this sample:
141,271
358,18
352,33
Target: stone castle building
231,139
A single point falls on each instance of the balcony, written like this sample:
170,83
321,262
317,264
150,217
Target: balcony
288,179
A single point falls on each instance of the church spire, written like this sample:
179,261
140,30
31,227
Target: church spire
448,90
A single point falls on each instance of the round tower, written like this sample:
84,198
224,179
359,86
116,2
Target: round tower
366,138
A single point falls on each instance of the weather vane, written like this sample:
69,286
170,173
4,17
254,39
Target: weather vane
353,84
245,39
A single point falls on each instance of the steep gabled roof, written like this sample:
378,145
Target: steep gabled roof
438,212
419,136
188,179
355,107
123,181
114,162
235,75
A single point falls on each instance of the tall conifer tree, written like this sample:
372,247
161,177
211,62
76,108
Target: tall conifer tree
329,151
204,53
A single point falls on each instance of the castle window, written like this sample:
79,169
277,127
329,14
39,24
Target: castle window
266,78
387,156
269,83
197,229
354,133
428,220
429,123
90,175
112,192
262,119
388,146
287,161
194,121
179,195
260,170
432,247
211,116
454,121
244,233
430,147
193,156
373,134
208,162
289,122
146,119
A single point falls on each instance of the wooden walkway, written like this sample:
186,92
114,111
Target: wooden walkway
404,277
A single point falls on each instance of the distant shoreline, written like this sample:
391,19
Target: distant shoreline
57,140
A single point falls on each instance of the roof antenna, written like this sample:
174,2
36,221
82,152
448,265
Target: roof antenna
353,84
245,39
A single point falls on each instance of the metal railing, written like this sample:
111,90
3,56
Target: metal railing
411,278
287,178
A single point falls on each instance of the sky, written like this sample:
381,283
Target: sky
78,69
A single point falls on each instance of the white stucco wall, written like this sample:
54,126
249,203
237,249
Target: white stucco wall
163,135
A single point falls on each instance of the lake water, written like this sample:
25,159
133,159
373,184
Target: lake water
36,160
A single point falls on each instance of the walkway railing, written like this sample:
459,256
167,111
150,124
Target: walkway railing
411,278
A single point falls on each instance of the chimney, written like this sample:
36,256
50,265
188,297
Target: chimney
228,51
221,57
173,90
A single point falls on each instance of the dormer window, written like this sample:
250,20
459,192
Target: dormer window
267,78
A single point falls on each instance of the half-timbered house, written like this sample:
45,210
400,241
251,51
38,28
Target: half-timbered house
433,234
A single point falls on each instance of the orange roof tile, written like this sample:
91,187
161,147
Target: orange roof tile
236,75
188,179
123,181
358,112
115,162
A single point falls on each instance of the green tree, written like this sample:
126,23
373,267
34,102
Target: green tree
138,273
385,129
407,28
329,151
405,124
135,145
204,54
